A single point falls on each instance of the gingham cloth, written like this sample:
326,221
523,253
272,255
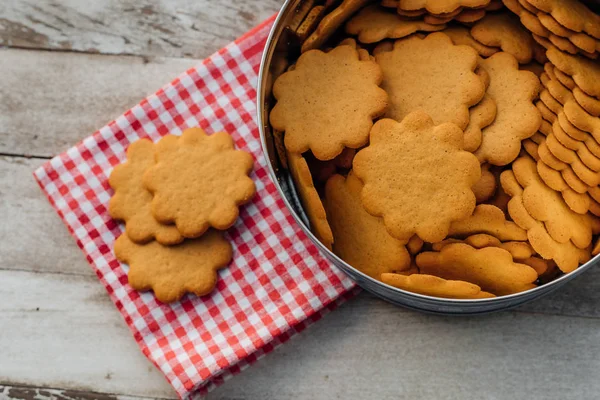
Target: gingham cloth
276,284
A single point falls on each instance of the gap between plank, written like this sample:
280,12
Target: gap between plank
29,392
28,156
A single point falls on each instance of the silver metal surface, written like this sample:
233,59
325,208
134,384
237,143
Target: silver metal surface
279,44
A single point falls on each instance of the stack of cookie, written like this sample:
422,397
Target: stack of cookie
438,12
176,198
416,158
568,148
568,25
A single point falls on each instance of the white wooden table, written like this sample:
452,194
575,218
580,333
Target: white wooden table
69,66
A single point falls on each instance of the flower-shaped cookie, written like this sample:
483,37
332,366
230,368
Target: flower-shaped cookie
416,79
131,201
417,177
172,271
328,102
199,181
491,268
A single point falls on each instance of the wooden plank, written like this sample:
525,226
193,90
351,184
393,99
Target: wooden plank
32,236
62,331
167,28
370,349
68,329
49,101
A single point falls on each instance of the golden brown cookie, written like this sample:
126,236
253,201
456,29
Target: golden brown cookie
578,134
500,199
310,199
199,181
490,220
331,22
534,67
469,16
435,20
361,239
581,40
528,19
415,244
328,120
480,117
587,102
415,79
431,155
582,120
461,36
491,268
565,79
430,285
485,187
531,148
545,112
172,271
540,265
596,248
440,6
518,250
132,201
547,205
550,102
566,255
308,25
573,15
513,91
373,24
504,30
585,73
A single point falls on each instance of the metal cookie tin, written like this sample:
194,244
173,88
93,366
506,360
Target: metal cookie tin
280,48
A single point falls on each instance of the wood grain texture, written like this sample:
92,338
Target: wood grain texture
32,236
166,28
49,101
62,331
33,393
370,349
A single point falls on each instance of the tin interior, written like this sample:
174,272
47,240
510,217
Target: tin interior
279,51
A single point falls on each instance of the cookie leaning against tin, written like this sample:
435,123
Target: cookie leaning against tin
131,202
328,102
425,189
199,181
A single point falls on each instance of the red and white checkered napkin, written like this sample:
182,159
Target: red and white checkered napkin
277,282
